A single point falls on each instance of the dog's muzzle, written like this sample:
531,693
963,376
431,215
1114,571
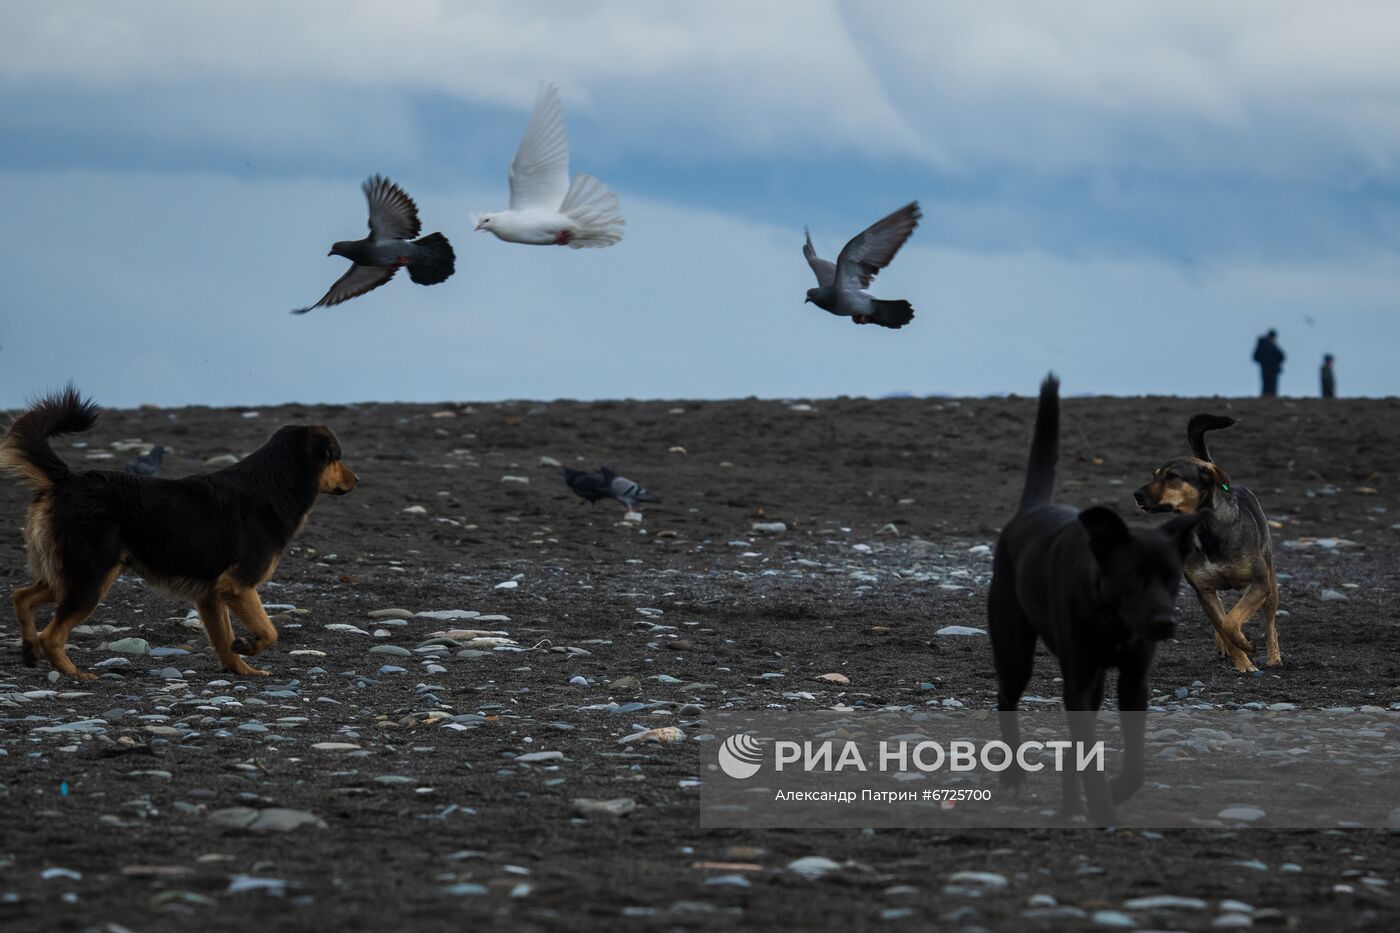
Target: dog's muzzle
1161,628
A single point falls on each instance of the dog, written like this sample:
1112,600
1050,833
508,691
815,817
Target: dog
1233,549
1100,595
211,538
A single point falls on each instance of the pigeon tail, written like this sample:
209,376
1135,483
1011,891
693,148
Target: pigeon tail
433,261
596,212
893,314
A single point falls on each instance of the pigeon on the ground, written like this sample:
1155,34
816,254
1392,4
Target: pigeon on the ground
148,464
591,486
625,490
840,284
545,209
393,224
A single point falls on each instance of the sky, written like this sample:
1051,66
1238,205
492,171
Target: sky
1128,194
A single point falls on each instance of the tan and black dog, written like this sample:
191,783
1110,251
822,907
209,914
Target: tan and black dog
211,538
1233,549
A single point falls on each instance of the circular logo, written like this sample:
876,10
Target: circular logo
740,756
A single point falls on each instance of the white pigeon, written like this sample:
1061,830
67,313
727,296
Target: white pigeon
545,209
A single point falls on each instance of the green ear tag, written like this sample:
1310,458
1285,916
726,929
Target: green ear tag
1225,486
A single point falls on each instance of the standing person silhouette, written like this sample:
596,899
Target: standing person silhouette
1329,378
1270,359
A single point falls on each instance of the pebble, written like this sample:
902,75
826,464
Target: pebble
835,678
394,650
813,866
1232,921
960,630
539,757
1166,902
465,888
1246,813
770,528
590,807
1112,918
666,735
130,646
270,820
389,614
222,460
985,879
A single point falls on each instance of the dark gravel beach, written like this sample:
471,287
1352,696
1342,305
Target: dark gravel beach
418,810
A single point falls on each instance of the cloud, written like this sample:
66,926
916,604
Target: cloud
1281,88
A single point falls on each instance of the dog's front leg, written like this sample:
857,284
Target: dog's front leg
1237,647
1132,718
1083,696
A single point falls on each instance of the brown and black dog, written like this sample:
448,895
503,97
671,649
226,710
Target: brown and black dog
211,538
1098,593
1233,550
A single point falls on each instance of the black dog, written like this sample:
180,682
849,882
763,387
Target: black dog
211,539
1098,593
1233,548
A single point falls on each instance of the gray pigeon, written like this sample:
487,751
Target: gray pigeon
840,284
625,490
393,224
148,464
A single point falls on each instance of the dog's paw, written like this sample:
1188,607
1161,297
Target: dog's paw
85,675
1244,665
29,655
1274,661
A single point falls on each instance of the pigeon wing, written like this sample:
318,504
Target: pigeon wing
392,213
355,282
539,176
872,250
825,270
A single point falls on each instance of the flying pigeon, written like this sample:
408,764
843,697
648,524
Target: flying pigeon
624,490
841,283
148,464
393,224
591,486
545,209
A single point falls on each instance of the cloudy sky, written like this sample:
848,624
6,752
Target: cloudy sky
1128,193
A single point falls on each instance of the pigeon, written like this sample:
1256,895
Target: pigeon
841,283
591,486
393,224
545,209
148,464
625,490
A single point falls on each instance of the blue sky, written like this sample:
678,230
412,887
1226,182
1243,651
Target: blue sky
1128,193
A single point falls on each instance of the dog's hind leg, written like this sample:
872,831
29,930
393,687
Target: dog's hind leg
26,600
79,599
262,634
214,614
1215,612
1273,657
1013,654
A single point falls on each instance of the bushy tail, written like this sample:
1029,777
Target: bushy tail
595,209
893,314
1196,430
25,451
1045,448
433,261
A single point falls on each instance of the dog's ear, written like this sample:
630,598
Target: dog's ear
1107,532
1181,530
1214,478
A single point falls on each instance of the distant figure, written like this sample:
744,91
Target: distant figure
148,464
1329,377
1270,359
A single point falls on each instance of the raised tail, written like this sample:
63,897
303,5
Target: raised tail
1045,448
596,211
1196,430
25,451
433,261
893,314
